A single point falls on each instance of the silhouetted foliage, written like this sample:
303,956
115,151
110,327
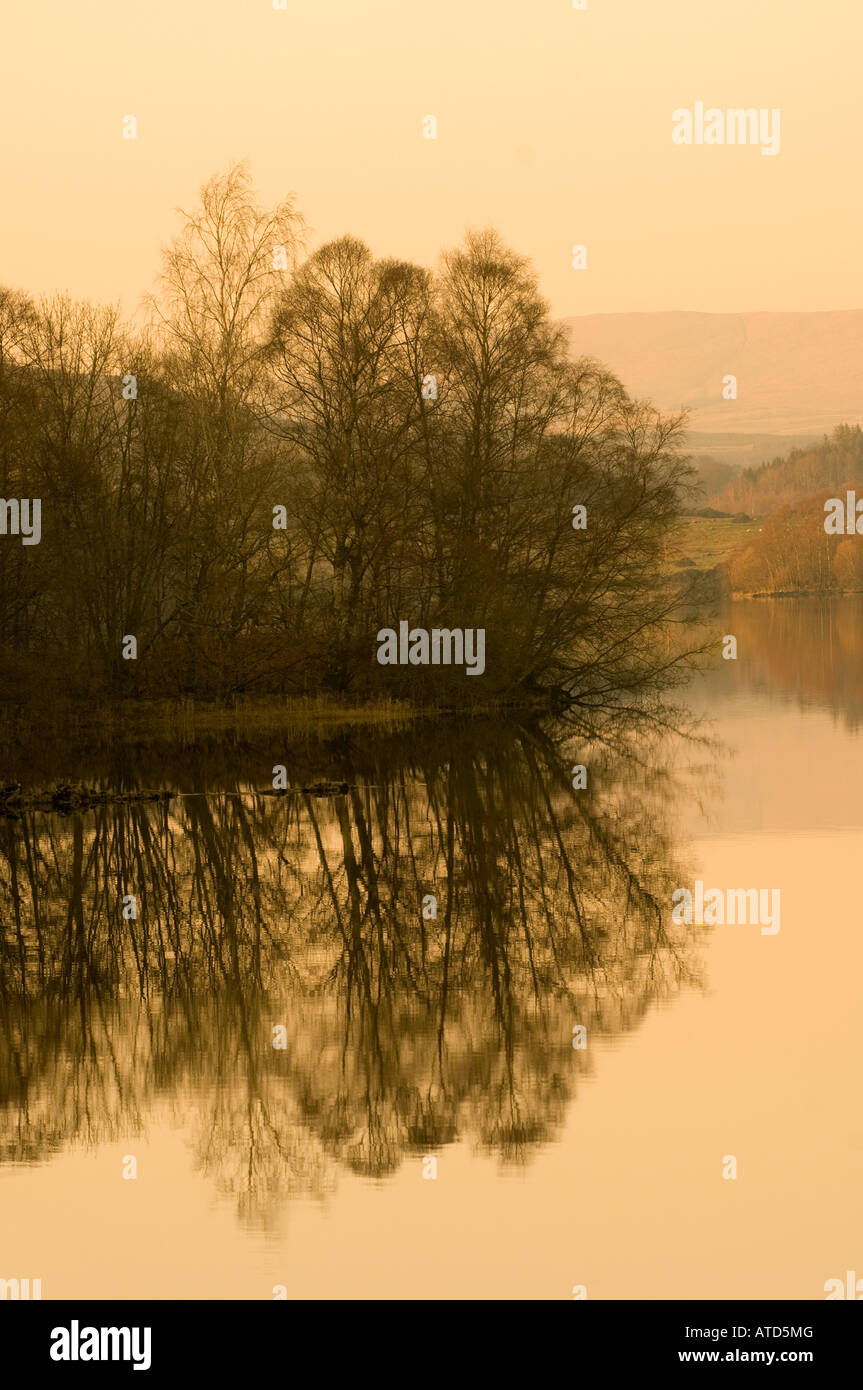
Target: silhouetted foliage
264,383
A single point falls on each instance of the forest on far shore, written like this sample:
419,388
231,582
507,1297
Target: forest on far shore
788,551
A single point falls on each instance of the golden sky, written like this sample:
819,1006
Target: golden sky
554,124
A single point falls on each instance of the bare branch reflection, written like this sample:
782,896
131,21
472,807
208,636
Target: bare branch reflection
403,1032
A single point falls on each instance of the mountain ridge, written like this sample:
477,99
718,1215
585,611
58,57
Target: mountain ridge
798,372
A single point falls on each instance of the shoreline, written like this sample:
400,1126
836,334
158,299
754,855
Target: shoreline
189,720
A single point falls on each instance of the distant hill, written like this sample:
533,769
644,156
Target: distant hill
797,373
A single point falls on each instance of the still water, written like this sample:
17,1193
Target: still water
285,1034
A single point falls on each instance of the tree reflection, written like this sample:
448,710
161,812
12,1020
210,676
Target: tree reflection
402,1032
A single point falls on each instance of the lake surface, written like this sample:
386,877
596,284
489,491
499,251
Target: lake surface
280,1035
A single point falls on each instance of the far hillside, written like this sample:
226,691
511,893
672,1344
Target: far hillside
719,458
836,461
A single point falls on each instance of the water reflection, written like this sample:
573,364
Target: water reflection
402,1032
808,651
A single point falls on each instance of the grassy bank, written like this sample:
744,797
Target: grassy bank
188,721
709,541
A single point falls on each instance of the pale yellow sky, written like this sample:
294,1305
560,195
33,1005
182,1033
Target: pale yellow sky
554,125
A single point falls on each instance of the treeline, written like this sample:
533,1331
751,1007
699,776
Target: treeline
294,454
837,461
794,555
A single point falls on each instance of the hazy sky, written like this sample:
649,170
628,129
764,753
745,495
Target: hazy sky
554,124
